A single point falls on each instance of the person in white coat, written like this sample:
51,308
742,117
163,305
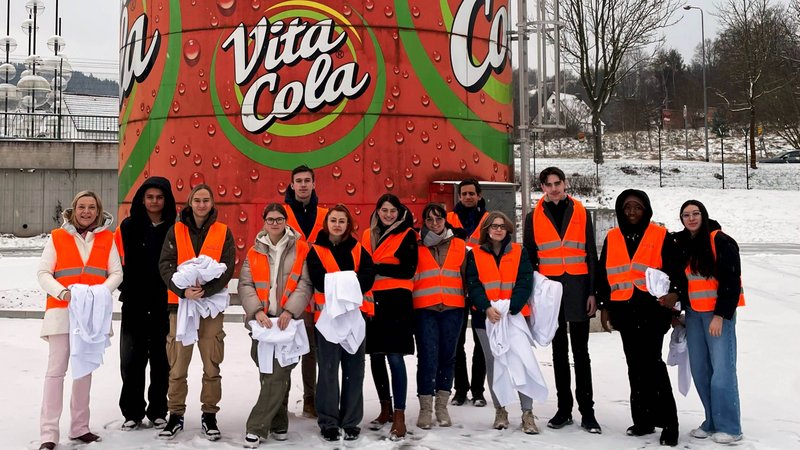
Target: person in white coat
81,251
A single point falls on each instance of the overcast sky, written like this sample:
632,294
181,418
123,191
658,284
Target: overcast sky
91,30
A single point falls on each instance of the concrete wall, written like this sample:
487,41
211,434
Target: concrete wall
38,179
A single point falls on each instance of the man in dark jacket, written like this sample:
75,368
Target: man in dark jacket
145,322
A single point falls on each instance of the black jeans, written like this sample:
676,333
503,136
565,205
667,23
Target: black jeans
462,382
339,408
579,338
143,339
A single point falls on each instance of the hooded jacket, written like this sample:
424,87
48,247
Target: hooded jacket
168,264
142,289
470,218
306,214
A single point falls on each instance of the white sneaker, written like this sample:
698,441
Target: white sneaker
725,438
699,433
130,425
159,423
280,435
251,440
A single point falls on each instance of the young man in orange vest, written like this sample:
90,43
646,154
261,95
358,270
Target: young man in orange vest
145,320
641,319
559,238
466,218
307,218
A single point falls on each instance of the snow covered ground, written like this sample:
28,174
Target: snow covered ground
763,220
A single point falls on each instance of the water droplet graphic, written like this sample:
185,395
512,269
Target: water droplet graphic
438,146
255,4
405,74
237,191
482,97
198,159
409,174
462,164
215,162
226,4
395,91
413,198
179,184
191,51
437,56
146,174
157,148
494,167
350,188
173,161
196,124
347,10
153,93
282,188
176,106
356,157
399,138
388,11
388,183
449,79
195,179
357,211
254,175
395,36
221,191
409,126
212,130
214,21
376,167
415,11
390,104
242,216
396,70
240,243
435,125
371,142
187,149
336,172
203,85
415,159
424,137
426,100
321,140
451,144
476,157
226,105
369,4
266,139
141,107
436,162
181,88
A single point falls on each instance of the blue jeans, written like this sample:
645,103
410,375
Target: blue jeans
713,363
381,377
436,336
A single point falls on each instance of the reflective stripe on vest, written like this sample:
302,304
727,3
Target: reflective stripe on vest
70,268
212,247
703,291
474,239
331,266
260,271
498,282
384,254
434,285
623,274
557,256
319,222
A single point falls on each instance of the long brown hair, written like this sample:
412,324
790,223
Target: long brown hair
340,208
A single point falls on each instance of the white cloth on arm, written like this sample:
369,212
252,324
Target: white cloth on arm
679,356
287,346
515,366
90,309
658,284
340,321
545,302
198,271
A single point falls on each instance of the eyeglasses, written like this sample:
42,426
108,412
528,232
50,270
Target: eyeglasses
497,226
434,220
690,215
275,220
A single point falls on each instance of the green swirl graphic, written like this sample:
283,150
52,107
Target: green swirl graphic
151,132
316,158
480,134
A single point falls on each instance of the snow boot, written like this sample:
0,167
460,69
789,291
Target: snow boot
442,416
500,418
425,411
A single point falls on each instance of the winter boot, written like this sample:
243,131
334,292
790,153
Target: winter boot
309,410
529,422
398,425
425,410
500,418
383,417
210,428
442,416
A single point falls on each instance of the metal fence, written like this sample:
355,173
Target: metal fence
63,127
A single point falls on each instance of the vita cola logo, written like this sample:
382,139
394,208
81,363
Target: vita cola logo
468,75
136,60
285,44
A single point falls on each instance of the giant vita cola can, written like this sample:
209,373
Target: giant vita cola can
376,95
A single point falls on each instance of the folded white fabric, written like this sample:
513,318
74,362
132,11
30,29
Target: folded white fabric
679,356
285,346
515,366
340,321
90,309
658,284
198,271
545,302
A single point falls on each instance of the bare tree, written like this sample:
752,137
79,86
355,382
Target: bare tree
597,37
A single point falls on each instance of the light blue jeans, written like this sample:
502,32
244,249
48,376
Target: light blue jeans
713,363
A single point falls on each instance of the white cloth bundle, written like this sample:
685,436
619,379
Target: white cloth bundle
287,346
515,366
194,272
90,309
679,356
545,302
658,284
340,321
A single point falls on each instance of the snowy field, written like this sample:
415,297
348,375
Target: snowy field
765,221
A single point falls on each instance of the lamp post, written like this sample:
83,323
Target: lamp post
705,94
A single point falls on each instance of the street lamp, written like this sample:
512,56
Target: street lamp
705,94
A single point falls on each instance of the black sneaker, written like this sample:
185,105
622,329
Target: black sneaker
560,420
669,436
210,428
351,433
478,400
130,425
639,430
330,434
458,399
174,425
589,423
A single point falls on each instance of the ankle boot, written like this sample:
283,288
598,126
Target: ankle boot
398,425
425,410
442,415
383,417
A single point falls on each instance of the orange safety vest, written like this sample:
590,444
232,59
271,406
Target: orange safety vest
557,256
702,290
70,268
120,246
259,269
623,274
384,254
330,265
474,239
212,247
291,220
434,285
498,282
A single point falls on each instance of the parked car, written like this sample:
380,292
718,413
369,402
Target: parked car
792,156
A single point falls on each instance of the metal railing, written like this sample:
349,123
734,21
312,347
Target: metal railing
60,127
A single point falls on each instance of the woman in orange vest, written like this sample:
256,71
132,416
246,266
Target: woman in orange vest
641,319
496,270
198,232
438,312
82,251
392,243
339,408
714,290
274,289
